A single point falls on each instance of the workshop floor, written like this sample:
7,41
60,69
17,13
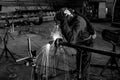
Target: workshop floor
40,35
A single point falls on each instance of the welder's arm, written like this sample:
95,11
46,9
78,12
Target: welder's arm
70,34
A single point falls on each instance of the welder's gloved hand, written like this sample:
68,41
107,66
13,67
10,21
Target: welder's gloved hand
58,41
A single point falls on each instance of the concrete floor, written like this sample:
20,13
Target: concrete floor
40,35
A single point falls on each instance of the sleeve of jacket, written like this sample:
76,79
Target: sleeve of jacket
71,35
91,30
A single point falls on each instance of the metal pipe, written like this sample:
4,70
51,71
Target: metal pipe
107,53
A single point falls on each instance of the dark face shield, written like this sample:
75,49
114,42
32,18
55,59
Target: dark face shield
59,16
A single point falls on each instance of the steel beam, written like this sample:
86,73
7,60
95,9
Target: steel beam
102,52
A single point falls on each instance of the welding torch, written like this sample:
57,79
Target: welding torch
56,42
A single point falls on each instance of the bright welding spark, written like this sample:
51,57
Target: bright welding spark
56,33
47,48
45,60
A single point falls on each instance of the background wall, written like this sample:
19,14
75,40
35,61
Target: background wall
7,5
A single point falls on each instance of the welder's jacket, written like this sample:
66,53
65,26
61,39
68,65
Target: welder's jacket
77,31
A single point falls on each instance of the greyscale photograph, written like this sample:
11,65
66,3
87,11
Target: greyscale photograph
59,39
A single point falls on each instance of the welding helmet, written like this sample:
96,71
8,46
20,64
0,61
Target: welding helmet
62,13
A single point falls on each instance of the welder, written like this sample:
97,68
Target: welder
78,30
